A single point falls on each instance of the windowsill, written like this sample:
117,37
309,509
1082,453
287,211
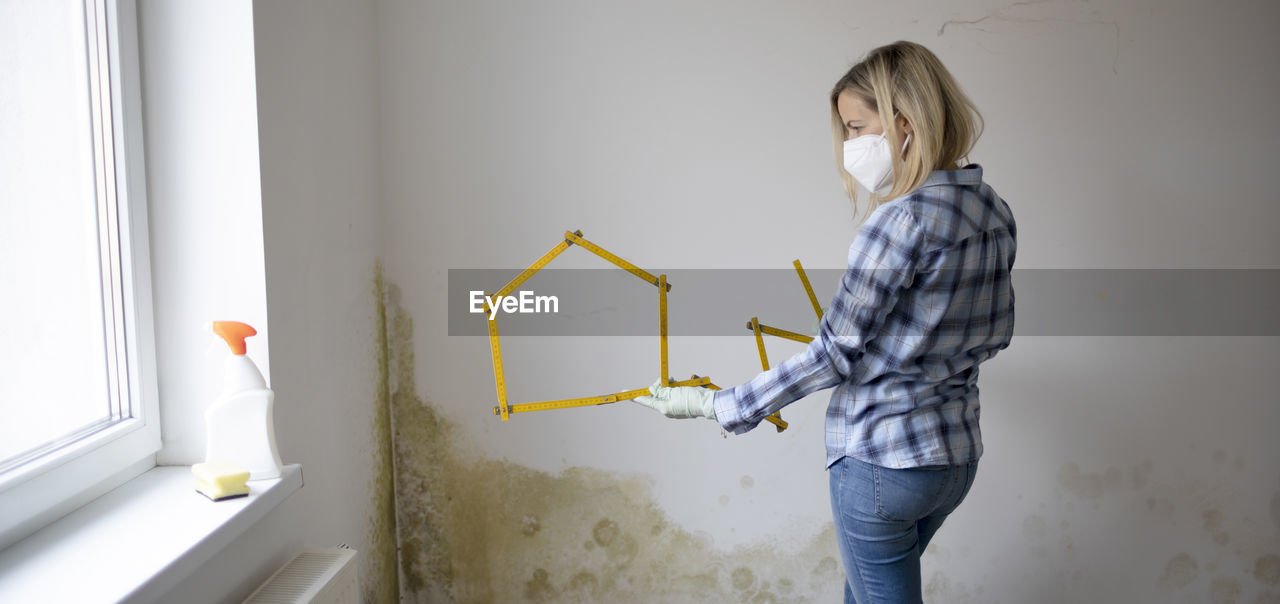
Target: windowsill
155,528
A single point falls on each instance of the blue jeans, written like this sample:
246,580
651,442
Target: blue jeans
884,520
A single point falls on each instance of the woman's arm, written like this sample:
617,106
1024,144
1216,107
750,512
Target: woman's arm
882,261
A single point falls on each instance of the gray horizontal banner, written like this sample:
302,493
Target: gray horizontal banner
720,302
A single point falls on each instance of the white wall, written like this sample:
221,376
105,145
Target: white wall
313,138
1130,135
695,135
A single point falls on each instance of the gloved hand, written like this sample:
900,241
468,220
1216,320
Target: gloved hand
680,402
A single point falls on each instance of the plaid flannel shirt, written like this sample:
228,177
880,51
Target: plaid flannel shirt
926,298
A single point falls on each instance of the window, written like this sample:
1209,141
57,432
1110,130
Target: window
78,406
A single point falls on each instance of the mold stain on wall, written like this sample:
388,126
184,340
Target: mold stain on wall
1180,571
476,529
1229,544
381,573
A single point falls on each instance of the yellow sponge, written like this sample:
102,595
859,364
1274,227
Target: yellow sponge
220,480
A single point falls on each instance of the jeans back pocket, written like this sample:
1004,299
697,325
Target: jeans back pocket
911,494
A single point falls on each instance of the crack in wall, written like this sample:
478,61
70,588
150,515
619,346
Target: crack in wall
1005,14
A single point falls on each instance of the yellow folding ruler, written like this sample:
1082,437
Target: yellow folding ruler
760,330
505,409
755,325
808,289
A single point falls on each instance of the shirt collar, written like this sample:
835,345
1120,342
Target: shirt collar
968,175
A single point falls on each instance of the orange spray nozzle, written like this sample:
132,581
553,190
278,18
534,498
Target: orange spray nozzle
234,332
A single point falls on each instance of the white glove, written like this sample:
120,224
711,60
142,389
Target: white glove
680,402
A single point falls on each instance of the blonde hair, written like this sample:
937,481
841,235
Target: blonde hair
906,78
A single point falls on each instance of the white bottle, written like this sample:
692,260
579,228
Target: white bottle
238,425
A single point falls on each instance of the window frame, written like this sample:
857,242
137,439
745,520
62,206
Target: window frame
46,488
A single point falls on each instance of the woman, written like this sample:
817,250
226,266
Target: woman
927,298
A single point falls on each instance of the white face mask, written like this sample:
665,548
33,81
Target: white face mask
868,159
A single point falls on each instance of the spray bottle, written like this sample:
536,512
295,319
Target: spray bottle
239,426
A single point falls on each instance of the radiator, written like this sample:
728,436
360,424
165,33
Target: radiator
319,576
